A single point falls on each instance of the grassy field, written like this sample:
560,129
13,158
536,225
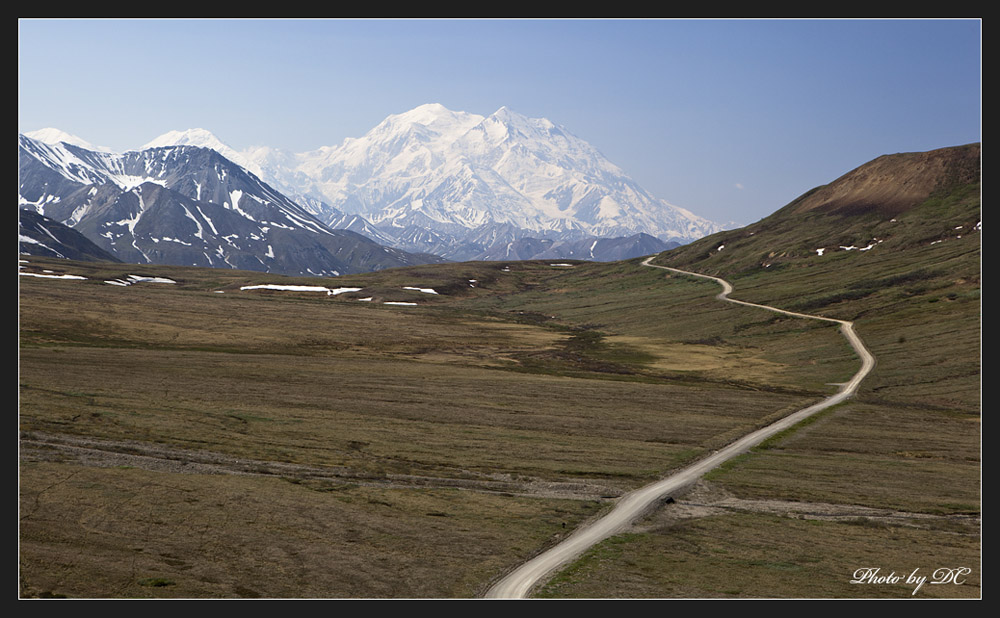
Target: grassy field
127,532
890,480
767,555
193,439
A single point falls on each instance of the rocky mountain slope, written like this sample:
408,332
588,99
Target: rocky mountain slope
40,236
187,205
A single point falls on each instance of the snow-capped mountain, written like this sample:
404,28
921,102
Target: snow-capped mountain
202,139
427,181
434,166
187,205
459,175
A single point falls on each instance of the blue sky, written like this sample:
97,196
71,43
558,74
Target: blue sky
731,119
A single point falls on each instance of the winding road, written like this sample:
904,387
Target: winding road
519,582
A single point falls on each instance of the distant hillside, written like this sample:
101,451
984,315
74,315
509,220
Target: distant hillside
893,203
893,184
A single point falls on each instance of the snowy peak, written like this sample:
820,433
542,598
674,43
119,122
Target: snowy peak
453,171
53,136
190,137
433,116
202,139
426,129
523,126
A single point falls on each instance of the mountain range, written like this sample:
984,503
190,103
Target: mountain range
460,173
187,205
426,184
472,181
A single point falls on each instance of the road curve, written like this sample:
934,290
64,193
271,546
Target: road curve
519,582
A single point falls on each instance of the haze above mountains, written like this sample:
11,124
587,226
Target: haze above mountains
428,181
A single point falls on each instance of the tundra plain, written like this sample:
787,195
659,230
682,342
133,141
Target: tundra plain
198,440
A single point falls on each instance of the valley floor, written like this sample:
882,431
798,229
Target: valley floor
192,440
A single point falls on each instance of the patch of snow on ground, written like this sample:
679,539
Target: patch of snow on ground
131,279
300,288
44,276
424,290
875,241
820,251
391,302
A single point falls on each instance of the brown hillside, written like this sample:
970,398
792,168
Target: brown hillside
892,184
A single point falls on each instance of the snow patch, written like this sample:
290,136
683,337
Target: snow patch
45,276
300,288
133,279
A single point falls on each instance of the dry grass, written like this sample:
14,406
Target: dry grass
873,456
909,442
387,407
538,377
754,555
113,532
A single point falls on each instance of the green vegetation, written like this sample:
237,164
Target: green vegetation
908,443
198,440
215,438
753,555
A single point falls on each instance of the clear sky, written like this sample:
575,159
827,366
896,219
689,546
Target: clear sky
731,119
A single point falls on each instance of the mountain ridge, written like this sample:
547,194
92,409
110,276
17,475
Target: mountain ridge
188,205
450,183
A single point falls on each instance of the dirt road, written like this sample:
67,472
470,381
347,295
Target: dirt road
519,582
